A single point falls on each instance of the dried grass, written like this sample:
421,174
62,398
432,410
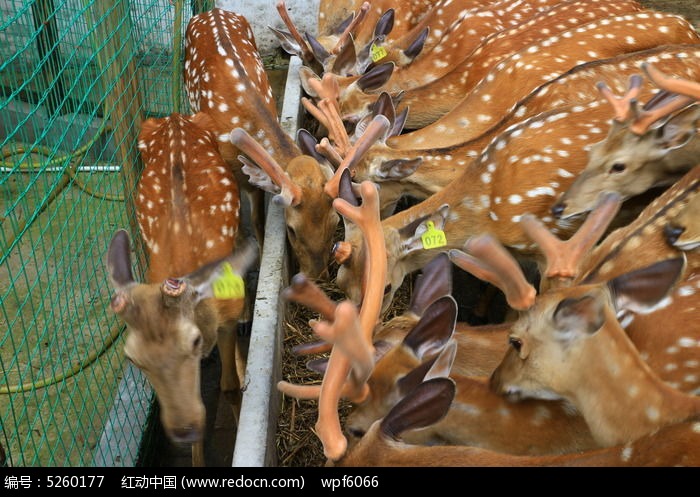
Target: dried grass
296,442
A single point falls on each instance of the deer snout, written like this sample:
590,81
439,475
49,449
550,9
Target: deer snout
500,387
185,434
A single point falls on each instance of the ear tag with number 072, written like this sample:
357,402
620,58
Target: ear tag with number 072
377,53
229,285
433,237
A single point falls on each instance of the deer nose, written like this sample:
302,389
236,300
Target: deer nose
185,434
672,233
558,209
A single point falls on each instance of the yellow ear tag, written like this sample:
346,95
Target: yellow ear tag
377,53
229,285
433,237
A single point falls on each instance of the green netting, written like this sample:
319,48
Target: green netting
76,79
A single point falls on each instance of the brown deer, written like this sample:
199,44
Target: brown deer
445,93
226,79
674,445
637,156
421,172
187,207
414,27
605,378
517,75
533,64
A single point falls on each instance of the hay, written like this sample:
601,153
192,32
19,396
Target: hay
296,442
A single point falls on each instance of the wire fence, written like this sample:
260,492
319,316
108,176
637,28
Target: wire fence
77,77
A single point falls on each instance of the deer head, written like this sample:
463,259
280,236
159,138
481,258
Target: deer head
578,327
172,325
635,156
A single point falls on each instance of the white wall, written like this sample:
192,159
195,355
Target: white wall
263,13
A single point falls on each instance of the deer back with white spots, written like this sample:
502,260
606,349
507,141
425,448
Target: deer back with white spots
520,172
516,76
226,79
420,172
429,102
452,42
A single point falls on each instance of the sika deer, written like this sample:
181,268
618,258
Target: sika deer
635,157
187,207
516,76
617,393
225,78
430,102
420,173
675,445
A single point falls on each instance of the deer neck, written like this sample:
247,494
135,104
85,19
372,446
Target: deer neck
619,396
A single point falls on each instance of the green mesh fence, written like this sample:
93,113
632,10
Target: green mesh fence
77,77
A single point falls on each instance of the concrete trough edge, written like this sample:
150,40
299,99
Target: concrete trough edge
257,427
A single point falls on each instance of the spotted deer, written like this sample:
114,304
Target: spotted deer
605,378
470,29
445,93
224,77
350,362
382,445
519,172
517,75
421,172
637,155
187,208
226,80
411,27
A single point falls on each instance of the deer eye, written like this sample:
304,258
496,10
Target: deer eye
356,432
516,343
618,167
197,342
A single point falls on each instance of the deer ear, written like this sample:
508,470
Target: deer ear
305,75
397,169
257,176
443,364
233,268
679,129
645,289
434,282
425,405
434,329
574,316
411,233
288,43
119,260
